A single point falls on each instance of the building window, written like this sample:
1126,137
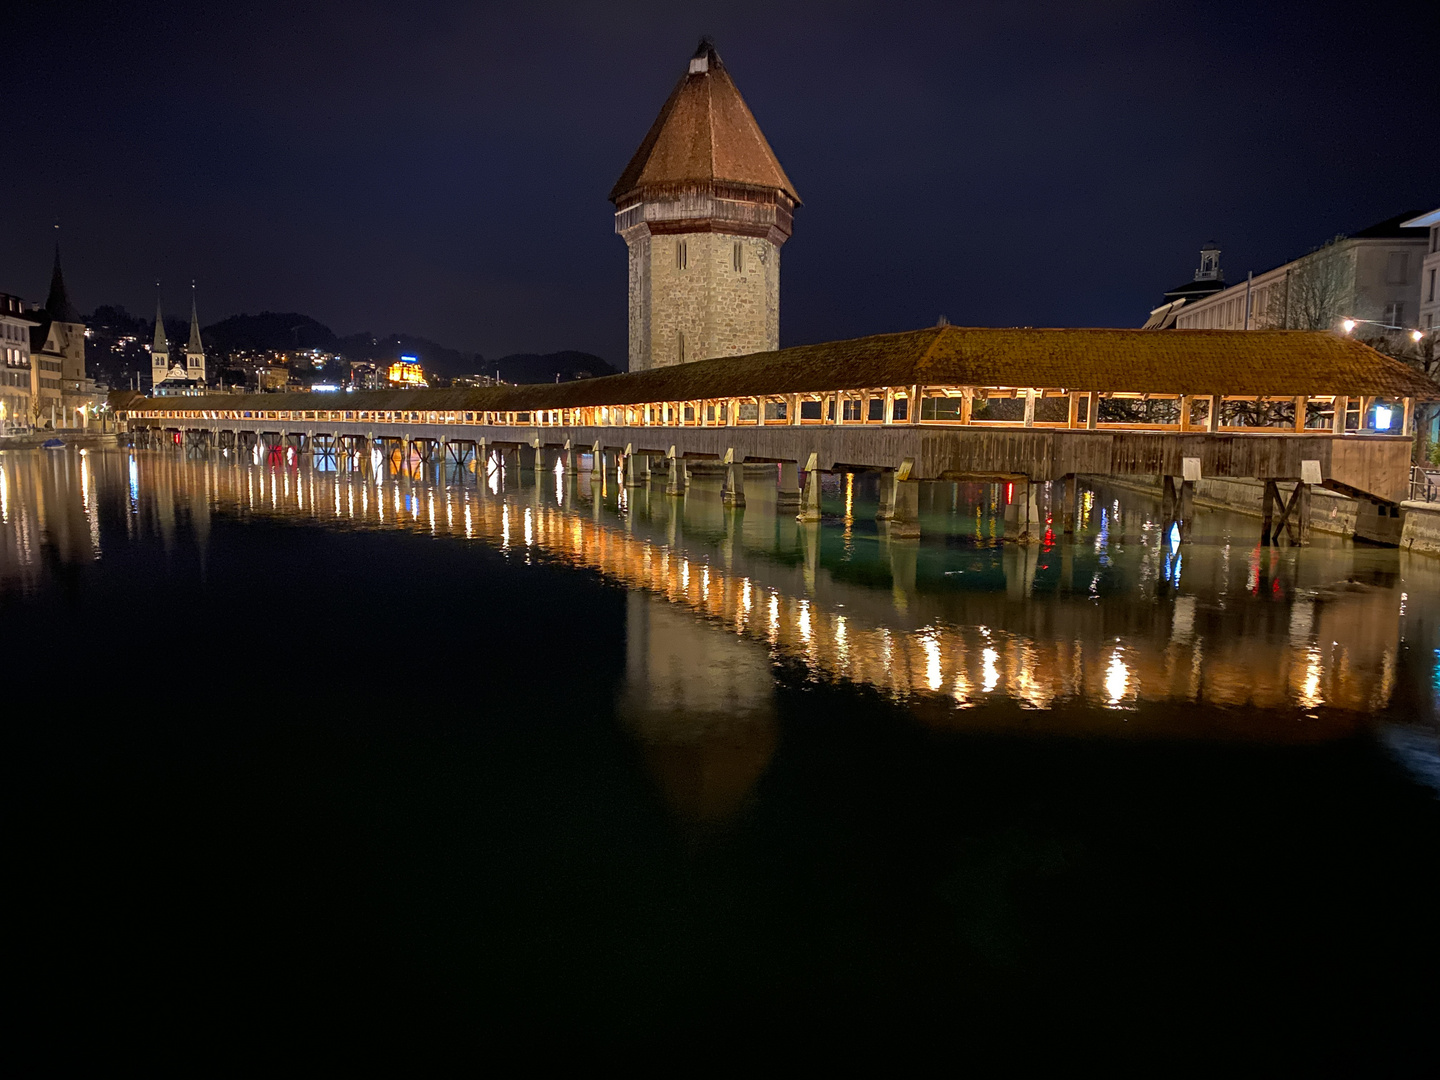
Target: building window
680,349
1431,294
739,257
1398,269
682,255
1395,313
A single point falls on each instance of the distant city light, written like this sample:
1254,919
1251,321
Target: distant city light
1348,325
1416,335
325,388
406,372
1383,414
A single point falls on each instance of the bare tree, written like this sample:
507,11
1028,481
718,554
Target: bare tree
1315,291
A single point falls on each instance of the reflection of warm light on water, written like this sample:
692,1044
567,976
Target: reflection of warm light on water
1310,689
1117,678
990,677
931,644
964,658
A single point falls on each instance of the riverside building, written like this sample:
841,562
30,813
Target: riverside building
1371,277
1429,269
15,326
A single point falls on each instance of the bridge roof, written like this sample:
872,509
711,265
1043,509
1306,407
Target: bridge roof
1270,363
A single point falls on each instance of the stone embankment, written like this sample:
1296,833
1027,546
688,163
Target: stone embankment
34,439
1330,512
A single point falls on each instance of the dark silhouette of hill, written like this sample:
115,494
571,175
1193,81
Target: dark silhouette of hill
270,330
385,348
117,347
544,368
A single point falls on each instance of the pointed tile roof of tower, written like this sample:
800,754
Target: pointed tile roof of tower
160,345
705,133
195,345
57,304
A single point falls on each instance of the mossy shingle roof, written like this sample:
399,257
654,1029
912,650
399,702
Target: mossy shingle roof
1271,363
705,133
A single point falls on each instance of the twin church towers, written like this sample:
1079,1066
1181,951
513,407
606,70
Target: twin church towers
191,373
704,208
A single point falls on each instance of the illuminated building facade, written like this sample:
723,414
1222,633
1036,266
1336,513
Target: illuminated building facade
15,326
406,372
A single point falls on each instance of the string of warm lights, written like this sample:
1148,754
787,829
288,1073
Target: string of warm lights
1348,325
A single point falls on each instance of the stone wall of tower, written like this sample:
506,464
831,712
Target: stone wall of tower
687,292
194,365
67,342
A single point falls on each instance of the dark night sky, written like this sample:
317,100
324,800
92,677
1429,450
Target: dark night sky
442,169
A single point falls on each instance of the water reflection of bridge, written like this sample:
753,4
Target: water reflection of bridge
1251,626
1028,406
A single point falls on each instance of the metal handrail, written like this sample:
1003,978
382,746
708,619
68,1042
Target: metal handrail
1424,484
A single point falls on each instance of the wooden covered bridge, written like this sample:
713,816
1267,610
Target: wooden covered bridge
945,403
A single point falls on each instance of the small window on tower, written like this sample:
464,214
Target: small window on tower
682,255
680,350
739,257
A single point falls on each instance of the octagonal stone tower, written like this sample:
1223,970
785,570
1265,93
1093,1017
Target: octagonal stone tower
704,207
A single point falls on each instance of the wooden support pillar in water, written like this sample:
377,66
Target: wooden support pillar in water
675,482
637,468
1168,499
810,507
1187,507
789,495
732,488
1069,503
906,522
1267,513
1021,512
887,496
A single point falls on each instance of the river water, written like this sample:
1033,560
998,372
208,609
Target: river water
366,746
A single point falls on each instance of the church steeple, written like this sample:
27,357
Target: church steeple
57,304
195,349
160,349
